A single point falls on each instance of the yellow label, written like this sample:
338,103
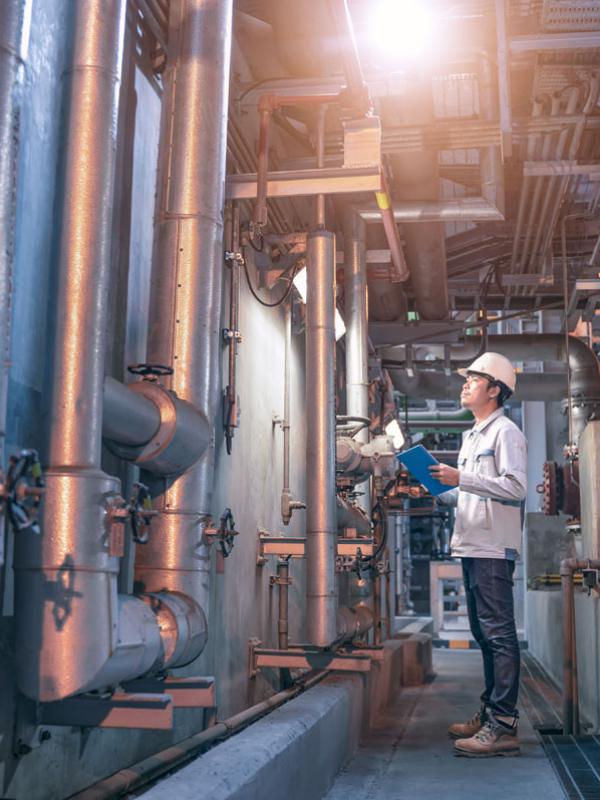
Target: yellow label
382,200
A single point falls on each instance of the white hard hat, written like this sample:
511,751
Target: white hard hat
496,367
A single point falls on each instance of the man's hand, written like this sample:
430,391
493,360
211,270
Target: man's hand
449,476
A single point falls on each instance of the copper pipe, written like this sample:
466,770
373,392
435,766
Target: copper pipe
570,709
283,583
153,767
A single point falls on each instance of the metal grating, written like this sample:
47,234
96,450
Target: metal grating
571,15
576,760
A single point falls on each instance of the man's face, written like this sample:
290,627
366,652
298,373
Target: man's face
476,392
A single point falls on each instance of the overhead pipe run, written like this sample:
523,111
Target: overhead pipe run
185,304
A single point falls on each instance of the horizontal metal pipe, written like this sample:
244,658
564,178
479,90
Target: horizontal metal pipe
127,417
463,209
354,622
153,767
437,386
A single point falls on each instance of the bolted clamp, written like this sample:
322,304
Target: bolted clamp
21,492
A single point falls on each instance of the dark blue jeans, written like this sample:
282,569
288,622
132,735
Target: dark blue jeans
489,592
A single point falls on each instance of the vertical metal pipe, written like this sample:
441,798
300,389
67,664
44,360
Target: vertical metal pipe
321,523
356,319
14,28
185,310
56,653
283,583
322,116
286,398
566,575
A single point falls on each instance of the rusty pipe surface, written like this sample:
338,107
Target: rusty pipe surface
321,522
185,305
570,710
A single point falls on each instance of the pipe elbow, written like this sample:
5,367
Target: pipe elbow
180,440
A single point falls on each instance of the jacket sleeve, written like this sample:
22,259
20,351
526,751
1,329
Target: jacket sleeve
511,465
449,498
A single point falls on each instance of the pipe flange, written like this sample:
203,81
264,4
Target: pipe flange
147,454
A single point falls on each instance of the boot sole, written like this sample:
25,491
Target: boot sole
499,754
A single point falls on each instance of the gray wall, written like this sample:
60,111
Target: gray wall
248,481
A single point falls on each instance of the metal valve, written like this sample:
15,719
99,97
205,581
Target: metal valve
224,536
141,513
150,372
22,490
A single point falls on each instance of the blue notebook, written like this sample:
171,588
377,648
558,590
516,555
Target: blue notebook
417,461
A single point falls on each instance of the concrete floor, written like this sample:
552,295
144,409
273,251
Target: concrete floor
409,755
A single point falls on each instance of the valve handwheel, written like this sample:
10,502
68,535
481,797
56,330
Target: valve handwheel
154,370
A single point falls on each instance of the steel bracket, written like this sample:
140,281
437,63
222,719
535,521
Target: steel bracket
295,546
192,692
122,710
308,657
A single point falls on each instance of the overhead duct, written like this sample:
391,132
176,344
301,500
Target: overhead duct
14,22
527,348
74,633
185,303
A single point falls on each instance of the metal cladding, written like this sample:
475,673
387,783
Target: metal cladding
13,19
66,578
321,520
357,354
152,427
185,304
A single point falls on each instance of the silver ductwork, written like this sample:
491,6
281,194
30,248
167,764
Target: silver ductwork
321,520
185,303
70,635
356,319
152,427
14,24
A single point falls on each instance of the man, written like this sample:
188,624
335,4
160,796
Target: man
492,483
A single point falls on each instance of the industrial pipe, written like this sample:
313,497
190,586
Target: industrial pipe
356,319
461,209
283,583
352,623
73,632
14,29
150,426
321,522
352,517
570,706
435,385
185,304
151,768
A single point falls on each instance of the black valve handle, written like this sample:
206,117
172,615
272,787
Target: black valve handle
158,370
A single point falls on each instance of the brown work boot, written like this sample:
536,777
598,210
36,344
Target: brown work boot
463,730
492,740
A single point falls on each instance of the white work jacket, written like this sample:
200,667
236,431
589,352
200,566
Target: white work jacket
493,484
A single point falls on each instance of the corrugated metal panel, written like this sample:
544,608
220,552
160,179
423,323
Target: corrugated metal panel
571,15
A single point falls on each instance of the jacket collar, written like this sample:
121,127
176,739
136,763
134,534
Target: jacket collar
499,412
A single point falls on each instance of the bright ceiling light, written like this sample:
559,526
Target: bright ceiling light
300,284
403,30
394,431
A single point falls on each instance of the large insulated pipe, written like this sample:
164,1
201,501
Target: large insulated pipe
434,385
73,631
355,317
321,522
14,25
185,305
